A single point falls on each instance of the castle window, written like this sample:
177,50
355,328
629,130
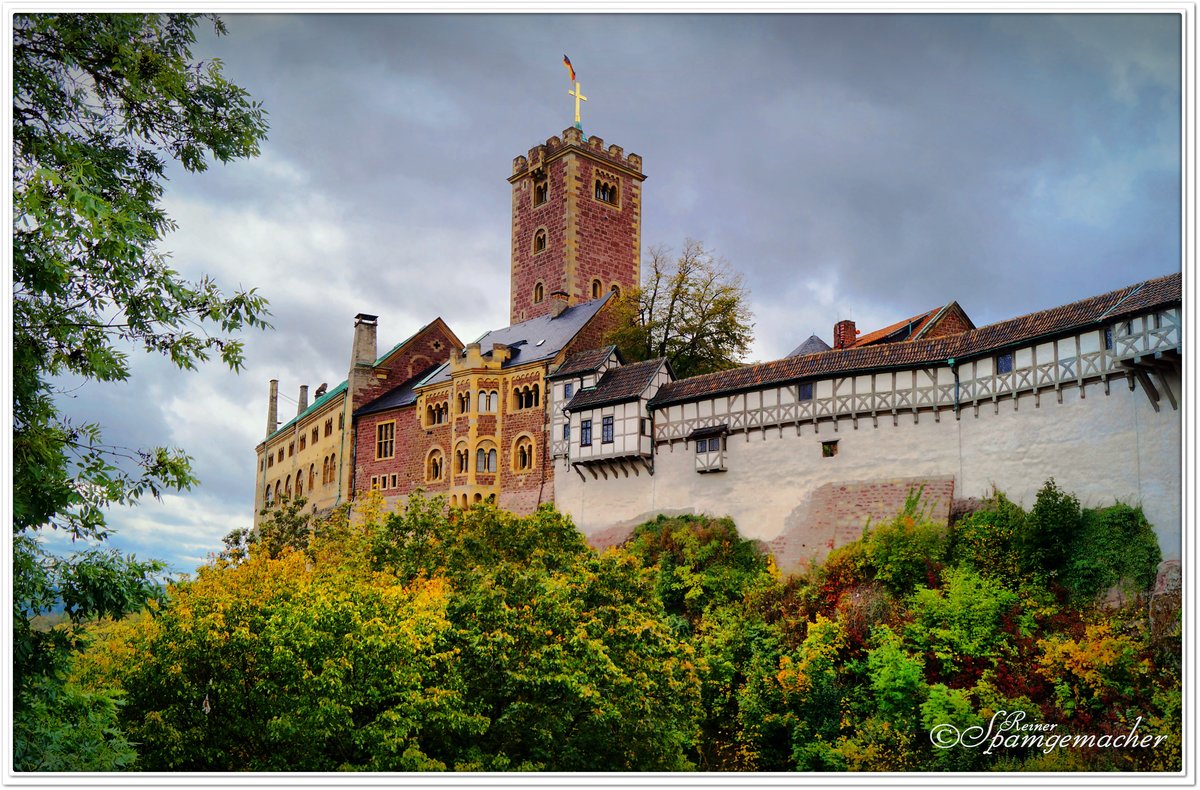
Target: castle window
341,422
287,487
329,427
333,468
597,287
278,490
566,431
539,241
606,430
280,458
270,460
806,391
541,190
829,449
312,476
1108,343
616,289
606,190
539,293
523,454
1004,363
393,481
568,390
461,459
299,486
267,496
710,449
645,426
291,449
385,440
434,465
303,442
485,459
316,435
585,433
374,482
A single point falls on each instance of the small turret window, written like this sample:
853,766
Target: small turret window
541,191
606,188
539,241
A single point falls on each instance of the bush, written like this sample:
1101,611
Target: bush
908,550
1113,545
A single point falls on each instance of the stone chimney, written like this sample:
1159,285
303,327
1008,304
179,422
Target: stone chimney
558,303
364,351
844,334
273,407
302,404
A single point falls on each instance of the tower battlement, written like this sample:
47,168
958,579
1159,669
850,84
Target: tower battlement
572,138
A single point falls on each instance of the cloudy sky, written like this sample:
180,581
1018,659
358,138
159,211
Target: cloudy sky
849,166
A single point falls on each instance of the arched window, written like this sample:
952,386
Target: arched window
537,397
539,241
522,456
312,476
299,485
287,487
461,459
485,458
333,468
596,289
616,289
267,496
541,191
278,490
606,189
434,465
539,293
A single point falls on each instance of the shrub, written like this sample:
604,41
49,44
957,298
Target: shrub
1114,544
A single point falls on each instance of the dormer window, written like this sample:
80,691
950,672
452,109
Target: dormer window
539,241
607,188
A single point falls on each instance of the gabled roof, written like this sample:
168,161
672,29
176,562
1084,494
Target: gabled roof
534,340
813,345
617,385
585,362
901,330
404,395
1093,311
320,402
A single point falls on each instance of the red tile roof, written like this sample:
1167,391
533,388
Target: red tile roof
617,385
1094,310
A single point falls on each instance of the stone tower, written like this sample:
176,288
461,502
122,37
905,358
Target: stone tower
576,223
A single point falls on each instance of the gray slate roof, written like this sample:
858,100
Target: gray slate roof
617,385
534,340
404,395
814,345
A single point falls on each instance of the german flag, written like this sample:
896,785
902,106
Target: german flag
570,68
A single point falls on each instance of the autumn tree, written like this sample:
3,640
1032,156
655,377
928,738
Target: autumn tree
690,309
101,104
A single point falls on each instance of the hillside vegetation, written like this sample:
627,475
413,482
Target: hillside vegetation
437,639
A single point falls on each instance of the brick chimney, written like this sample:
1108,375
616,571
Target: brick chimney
558,303
302,404
844,334
273,407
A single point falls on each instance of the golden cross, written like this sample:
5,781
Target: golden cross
578,94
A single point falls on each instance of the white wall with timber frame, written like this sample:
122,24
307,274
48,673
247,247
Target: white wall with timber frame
1103,421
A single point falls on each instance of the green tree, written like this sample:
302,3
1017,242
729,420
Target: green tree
100,103
690,309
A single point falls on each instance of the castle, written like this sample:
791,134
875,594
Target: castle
801,451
